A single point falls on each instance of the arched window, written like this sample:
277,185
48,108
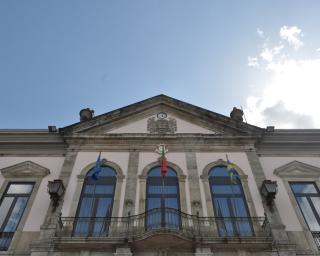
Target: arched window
229,203
95,203
163,202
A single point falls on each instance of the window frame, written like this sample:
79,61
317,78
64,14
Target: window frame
225,180
15,196
103,180
308,196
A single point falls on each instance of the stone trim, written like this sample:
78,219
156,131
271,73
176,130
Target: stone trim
25,169
31,175
131,184
194,184
244,182
117,194
143,185
295,172
296,169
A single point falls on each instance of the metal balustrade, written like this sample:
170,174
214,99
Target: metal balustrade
5,240
164,220
316,237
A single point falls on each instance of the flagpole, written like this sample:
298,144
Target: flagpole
162,204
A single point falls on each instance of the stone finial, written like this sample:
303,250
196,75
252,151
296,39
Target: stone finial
236,114
86,114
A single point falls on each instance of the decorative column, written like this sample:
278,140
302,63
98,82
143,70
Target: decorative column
193,178
131,184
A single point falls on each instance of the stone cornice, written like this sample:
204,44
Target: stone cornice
223,123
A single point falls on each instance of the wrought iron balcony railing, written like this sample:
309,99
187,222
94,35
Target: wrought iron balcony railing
164,220
5,240
316,237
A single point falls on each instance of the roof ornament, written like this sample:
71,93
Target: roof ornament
162,124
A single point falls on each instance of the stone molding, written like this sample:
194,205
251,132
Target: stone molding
221,162
25,169
181,176
104,162
296,169
143,180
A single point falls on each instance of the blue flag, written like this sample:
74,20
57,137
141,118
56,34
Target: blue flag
97,168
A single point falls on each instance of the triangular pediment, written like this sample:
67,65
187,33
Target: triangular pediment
161,115
296,169
24,170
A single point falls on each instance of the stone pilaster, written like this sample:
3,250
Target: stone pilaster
277,228
131,184
194,187
43,245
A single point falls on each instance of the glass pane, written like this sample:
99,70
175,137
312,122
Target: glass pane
171,203
308,214
221,207
226,189
156,172
103,207
239,207
89,189
158,189
4,209
105,172
154,203
86,207
225,226
16,214
20,189
101,224
316,203
303,188
104,189
220,171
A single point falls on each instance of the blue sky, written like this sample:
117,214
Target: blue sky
57,57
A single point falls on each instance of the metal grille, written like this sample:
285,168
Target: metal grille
162,220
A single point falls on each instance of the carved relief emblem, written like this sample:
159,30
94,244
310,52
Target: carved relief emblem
162,124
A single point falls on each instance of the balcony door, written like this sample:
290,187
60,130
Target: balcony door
163,202
95,206
229,204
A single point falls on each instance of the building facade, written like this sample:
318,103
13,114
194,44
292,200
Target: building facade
230,188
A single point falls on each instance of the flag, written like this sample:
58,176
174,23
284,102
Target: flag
97,168
163,166
231,168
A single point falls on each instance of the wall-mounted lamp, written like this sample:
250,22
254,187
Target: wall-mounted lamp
269,190
55,190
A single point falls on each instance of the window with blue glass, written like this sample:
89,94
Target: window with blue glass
308,199
95,206
12,206
163,202
229,204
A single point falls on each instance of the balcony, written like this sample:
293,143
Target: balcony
316,237
164,225
5,240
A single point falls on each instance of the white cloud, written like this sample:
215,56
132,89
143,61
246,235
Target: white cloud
260,32
253,62
292,35
268,54
290,98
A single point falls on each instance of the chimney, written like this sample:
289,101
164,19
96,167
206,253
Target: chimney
86,114
236,114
